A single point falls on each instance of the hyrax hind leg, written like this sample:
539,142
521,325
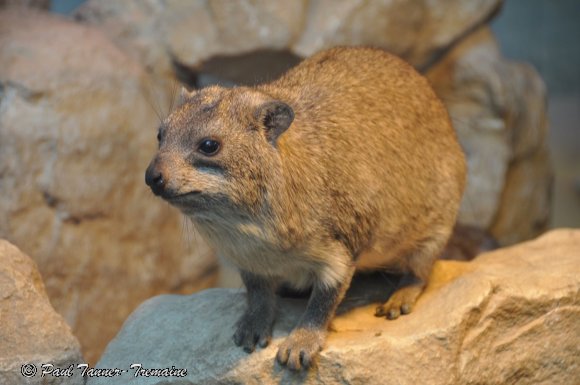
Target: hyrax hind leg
418,268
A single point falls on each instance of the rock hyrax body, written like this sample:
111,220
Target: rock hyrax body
346,162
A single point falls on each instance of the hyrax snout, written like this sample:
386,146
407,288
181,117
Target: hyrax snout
346,162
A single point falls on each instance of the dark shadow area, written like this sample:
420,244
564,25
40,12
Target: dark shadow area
368,288
365,289
247,69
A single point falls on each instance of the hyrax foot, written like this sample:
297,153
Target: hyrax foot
253,329
300,348
401,302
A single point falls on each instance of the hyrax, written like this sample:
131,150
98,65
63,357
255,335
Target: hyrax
346,162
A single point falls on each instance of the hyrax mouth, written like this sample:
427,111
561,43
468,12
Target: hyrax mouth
171,197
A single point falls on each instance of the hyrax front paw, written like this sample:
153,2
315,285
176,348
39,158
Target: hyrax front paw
253,329
300,348
400,302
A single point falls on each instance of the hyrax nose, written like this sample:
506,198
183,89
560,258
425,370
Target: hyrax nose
154,179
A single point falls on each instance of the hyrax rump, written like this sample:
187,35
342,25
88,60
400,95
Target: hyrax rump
346,162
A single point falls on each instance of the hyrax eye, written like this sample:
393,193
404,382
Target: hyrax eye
209,147
159,136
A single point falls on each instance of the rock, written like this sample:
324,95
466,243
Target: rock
191,32
498,110
76,134
526,201
508,316
416,31
32,333
525,205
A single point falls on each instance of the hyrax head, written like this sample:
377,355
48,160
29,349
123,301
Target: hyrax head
218,149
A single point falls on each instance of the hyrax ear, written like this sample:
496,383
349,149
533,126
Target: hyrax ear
185,95
276,117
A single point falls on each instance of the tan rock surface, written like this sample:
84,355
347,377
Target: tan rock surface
524,209
31,332
76,134
509,316
498,109
414,30
193,31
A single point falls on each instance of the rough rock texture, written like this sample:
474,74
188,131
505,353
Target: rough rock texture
509,316
31,332
76,134
193,31
526,200
498,109
414,30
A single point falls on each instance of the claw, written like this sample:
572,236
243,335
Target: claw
282,356
393,314
252,332
380,311
400,303
298,351
406,308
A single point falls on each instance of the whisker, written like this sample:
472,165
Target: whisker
147,96
174,89
157,101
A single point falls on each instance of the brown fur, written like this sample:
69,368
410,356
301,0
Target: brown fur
369,172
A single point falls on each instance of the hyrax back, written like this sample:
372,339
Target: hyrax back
347,161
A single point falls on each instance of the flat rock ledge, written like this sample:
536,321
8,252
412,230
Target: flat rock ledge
511,316
32,333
